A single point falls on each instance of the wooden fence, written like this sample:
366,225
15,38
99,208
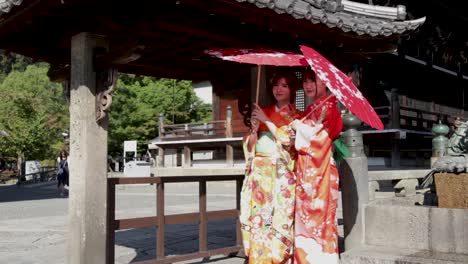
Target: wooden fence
161,219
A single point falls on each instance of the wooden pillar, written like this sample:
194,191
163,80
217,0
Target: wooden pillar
160,212
187,162
203,225
395,109
110,223
229,155
228,121
161,125
229,147
160,159
238,205
396,154
205,129
88,158
187,131
395,120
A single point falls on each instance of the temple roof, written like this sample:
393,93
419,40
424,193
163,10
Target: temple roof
7,5
167,38
348,16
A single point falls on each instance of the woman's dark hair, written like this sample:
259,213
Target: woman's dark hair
291,80
63,153
309,74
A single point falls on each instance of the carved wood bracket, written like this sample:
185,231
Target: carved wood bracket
107,81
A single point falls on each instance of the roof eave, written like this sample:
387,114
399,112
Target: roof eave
7,5
349,16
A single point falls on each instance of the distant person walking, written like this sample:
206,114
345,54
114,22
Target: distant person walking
2,164
63,172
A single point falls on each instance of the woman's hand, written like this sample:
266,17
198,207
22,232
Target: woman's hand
294,124
254,125
259,115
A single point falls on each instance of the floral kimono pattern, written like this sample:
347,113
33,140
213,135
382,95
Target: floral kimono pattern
316,229
268,194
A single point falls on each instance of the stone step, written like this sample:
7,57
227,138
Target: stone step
417,227
387,255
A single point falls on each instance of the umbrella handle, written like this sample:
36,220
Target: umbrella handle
259,70
317,106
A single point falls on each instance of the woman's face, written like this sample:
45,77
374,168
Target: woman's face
314,89
281,91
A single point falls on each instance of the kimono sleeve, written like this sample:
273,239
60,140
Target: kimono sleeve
328,125
248,144
306,134
332,121
285,135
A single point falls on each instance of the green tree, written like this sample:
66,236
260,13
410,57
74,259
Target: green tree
33,114
138,101
12,62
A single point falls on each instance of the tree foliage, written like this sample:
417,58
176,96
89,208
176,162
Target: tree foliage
33,114
138,101
12,62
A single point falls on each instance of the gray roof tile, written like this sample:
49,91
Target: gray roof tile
361,19
7,5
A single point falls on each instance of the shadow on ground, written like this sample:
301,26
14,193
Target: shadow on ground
42,191
180,239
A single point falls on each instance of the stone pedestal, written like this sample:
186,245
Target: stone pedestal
354,184
452,190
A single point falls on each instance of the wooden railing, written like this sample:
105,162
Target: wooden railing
406,118
212,128
417,115
419,119
161,219
217,128
195,136
409,118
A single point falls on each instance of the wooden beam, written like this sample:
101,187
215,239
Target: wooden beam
28,48
10,23
192,29
171,71
125,53
177,52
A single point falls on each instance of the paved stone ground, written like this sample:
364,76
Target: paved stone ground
33,223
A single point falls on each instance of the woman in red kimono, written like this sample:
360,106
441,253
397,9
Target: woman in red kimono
316,229
267,196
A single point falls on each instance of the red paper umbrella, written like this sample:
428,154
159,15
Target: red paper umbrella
259,57
342,87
